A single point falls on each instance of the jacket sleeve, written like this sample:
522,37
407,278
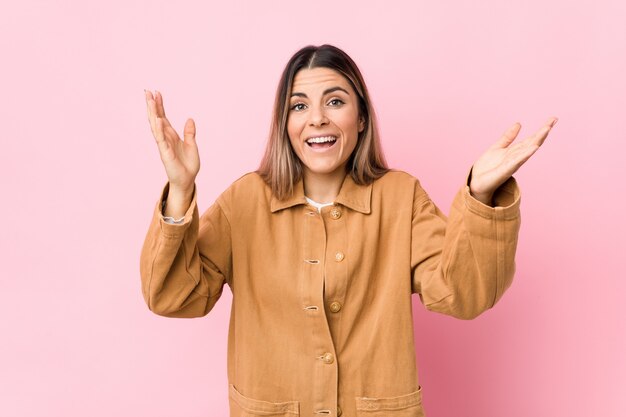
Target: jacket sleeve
184,266
461,265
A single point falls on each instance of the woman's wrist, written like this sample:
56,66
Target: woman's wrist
486,199
177,202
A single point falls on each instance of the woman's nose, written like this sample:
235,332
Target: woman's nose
317,116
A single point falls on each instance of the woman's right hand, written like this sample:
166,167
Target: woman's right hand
180,158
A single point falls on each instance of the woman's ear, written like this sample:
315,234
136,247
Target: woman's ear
361,123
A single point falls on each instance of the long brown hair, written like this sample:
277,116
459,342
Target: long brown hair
280,167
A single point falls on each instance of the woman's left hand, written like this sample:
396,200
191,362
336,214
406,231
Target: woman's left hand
502,159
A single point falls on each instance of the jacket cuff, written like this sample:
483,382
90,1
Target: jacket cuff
506,200
174,229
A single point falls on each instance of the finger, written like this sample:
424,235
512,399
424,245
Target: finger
509,136
149,97
189,132
553,121
152,114
160,137
158,99
541,135
148,94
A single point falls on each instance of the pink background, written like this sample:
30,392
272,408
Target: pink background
81,174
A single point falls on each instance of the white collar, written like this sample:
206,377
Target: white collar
316,204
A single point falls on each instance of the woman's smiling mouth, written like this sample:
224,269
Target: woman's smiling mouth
321,143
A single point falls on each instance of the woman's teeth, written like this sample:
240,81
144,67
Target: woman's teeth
321,139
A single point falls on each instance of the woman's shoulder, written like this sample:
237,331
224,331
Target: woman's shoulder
397,178
398,182
249,187
249,181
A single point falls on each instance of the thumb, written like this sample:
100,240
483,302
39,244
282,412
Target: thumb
509,136
189,133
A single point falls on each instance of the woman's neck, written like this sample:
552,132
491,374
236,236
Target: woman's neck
323,188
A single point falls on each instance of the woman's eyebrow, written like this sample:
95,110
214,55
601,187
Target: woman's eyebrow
327,91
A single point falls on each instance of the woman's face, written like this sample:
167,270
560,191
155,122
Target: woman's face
323,122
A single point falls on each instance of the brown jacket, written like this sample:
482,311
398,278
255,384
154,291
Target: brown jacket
321,321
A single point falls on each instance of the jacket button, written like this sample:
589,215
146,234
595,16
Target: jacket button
338,411
328,358
335,306
335,213
339,256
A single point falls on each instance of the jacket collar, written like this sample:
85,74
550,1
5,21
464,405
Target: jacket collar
352,195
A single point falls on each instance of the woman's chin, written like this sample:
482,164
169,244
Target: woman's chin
323,169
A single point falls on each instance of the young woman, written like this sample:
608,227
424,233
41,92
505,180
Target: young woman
323,246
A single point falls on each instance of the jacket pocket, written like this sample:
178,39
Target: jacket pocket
408,405
252,407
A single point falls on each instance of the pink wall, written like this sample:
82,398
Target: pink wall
81,173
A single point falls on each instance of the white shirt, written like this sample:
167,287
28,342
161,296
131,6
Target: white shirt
316,204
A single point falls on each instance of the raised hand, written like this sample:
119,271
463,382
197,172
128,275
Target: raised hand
503,158
180,158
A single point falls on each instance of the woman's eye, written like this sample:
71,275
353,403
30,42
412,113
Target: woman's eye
337,101
297,107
